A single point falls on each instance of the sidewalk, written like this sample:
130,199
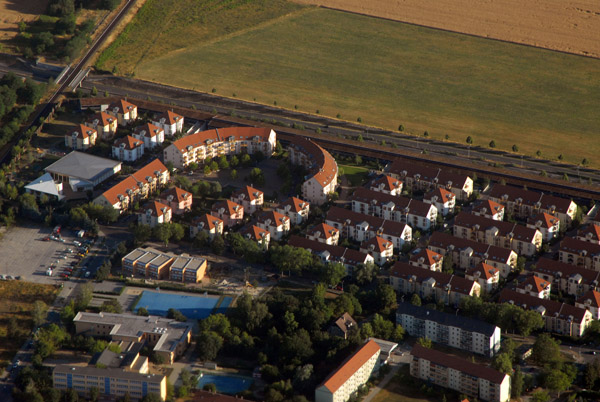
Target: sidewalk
383,383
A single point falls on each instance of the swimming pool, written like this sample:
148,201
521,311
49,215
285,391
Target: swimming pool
193,307
226,384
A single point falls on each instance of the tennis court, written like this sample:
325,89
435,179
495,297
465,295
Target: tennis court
193,307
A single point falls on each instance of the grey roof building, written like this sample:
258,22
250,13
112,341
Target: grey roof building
82,171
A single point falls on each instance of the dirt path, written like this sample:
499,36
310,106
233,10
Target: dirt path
566,25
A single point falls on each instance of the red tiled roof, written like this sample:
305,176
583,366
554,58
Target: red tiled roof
430,257
574,246
296,204
170,117
555,268
593,296
379,244
322,230
345,322
231,207
487,271
488,207
84,131
456,363
445,240
178,194
590,232
481,223
537,284
130,182
442,195
457,283
529,197
550,307
222,134
428,174
148,130
250,193
209,221
351,366
122,105
389,183
273,216
341,254
324,168
156,207
104,119
254,232
342,215
546,221
130,143
371,197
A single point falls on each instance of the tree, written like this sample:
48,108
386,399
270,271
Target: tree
333,273
360,138
469,140
257,177
560,157
540,396
143,312
492,144
386,297
518,383
218,244
112,306
86,292
233,174
545,350
365,273
557,381
415,300
152,397
291,259
382,328
425,342
502,362
141,233
176,315
208,345
39,312
94,394
515,148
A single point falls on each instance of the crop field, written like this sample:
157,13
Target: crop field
12,12
385,72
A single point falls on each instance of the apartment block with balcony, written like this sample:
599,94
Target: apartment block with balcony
275,223
579,253
125,112
154,213
207,223
427,259
591,302
486,275
250,198
178,199
547,224
386,184
535,286
489,209
128,149
81,138
324,233
229,212
567,278
295,209
444,200
381,249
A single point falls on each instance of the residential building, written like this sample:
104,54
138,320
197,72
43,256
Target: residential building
329,253
547,224
188,269
591,302
229,212
113,382
343,325
324,233
386,184
449,329
154,213
197,147
164,336
418,177
135,187
590,233
427,259
444,200
535,286
525,203
467,253
417,214
154,264
275,223
81,139
486,275
124,111
362,227
489,209
560,318
461,375
295,209
250,198
441,287
579,253
257,234
523,240
321,180
152,135
169,121
46,185
128,149
207,223
81,171
344,383
179,200
381,249
104,124
567,278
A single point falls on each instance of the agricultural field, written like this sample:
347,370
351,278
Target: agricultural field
16,300
13,12
385,72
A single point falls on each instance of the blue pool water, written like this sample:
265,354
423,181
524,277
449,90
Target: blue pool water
226,384
193,307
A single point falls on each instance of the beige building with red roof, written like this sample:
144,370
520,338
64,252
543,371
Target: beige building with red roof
257,234
124,111
295,209
128,149
489,209
579,253
381,249
250,198
195,148
169,121
427,259
342,326
178,199
321,166
535,286
154,213
135,187
486,275
152,135
386,184
229,212
329,253
548,225
104,123
444,200
82,138
207,223
275,223
590,233
591,302
324,233
343,383
566,278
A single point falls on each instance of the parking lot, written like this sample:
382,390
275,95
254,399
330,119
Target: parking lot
24,253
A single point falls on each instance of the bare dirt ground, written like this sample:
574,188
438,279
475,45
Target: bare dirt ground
566,25
14,11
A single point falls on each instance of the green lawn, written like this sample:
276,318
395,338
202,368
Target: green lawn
404,388
356,175
385,72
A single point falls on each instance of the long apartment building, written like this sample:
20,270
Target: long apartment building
321,180
567,278
442,287
195,148
417,214
523,240
154,264
467,253
525,203
166,337
474,380
579,253
560,318
449,329
418,177
361,227
343,383
135,187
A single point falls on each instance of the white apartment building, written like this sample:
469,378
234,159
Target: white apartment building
152,135
444,200
128,149
295,209
250,198
171,122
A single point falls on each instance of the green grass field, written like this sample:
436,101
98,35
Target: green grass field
385,72
356,175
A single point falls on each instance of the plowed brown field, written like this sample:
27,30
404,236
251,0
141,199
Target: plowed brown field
566,25
12,12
